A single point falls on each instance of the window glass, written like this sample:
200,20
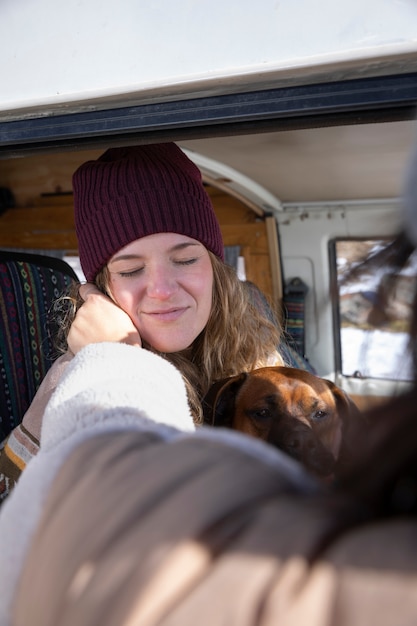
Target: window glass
372,343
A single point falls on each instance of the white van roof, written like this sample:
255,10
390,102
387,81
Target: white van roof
99,53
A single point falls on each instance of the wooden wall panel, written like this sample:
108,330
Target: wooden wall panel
30,177
253,241
39,228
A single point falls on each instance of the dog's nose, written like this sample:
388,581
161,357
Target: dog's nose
312,453
294,444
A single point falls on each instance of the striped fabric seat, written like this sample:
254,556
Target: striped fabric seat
294,307
29,283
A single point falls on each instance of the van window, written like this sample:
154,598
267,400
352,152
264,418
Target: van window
371,343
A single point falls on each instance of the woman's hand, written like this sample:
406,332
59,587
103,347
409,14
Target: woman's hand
100,319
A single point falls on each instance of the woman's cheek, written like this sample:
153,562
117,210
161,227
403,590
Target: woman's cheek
123,295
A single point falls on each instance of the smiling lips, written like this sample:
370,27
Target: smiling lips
170,315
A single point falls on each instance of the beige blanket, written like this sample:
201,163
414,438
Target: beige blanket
193,532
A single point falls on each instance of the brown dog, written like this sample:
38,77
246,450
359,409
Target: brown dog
308,417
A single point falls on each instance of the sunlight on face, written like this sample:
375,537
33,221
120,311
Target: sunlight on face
165,283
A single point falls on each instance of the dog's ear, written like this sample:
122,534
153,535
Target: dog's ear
219,401
354,427
345,405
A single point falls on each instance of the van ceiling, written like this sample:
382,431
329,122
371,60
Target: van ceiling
319,164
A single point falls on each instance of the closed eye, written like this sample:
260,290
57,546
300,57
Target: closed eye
186,261
131,273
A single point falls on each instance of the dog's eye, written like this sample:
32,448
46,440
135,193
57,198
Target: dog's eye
261,414
319,415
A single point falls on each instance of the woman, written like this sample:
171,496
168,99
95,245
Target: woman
151,249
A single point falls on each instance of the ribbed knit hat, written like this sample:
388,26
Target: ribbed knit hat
132,192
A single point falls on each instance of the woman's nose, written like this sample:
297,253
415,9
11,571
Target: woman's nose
161,283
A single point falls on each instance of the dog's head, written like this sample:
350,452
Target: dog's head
304,415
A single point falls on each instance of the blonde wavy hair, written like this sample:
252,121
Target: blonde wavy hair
237,338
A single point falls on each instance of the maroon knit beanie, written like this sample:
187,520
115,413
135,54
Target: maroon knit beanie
132,192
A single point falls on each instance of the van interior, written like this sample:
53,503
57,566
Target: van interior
300,198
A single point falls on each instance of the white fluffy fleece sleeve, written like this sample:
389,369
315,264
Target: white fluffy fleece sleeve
110,385
106,387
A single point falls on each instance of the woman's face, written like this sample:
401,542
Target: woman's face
164,282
